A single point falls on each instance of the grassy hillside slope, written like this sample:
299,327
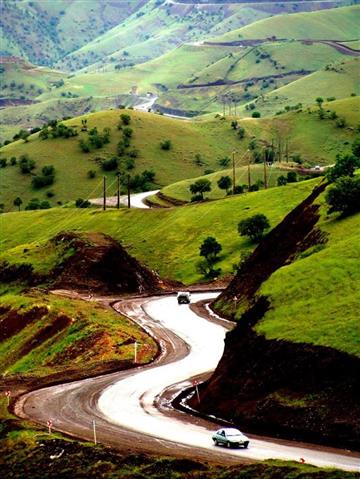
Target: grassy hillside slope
338,81
174,24
43,32
55,331
22,80
316,141
332,24
72,165
180,190
180,231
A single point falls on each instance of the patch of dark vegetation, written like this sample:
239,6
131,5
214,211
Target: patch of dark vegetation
58,458
13,321
23,272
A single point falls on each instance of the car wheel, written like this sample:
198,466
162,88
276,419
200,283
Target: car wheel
228,444
246,445
216,442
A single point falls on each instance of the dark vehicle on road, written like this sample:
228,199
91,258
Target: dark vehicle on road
183,297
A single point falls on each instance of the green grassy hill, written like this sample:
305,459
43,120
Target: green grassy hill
22,80
338,81
180,190
332,24
41,348
174,24
43,32
316,141
180,231
72,165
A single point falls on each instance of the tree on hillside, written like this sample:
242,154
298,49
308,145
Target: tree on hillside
281,181
165,144
291,177
319,100
344,166
26,165
200,187
344,196
356,148
18,202
254,227
125,118
241,132
210,249
224,183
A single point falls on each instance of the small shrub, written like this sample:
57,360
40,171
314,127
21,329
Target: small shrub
110,164
81,203
254,227
166,145
340,122
125,118
91,174
291,177
256,114
281,181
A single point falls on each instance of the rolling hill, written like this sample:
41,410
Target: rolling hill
44,32
72,165
315,141
335,24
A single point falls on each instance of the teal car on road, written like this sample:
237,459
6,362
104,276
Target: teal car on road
230,437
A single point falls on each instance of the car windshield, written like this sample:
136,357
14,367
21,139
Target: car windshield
233,432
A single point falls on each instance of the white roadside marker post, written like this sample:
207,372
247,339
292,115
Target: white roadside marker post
8,394
49,424
135,352
197,393
94,430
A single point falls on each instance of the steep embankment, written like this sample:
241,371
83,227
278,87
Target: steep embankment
43,335
280,374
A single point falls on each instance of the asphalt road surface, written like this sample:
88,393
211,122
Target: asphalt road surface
132,409
136,200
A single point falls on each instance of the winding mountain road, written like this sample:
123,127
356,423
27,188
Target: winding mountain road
132,408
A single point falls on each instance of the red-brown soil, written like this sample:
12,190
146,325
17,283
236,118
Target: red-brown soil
100,263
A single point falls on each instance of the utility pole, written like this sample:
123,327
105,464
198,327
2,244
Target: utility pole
118,191
279,150
287,150
249,173
265,173
233,172
104,203
128,190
